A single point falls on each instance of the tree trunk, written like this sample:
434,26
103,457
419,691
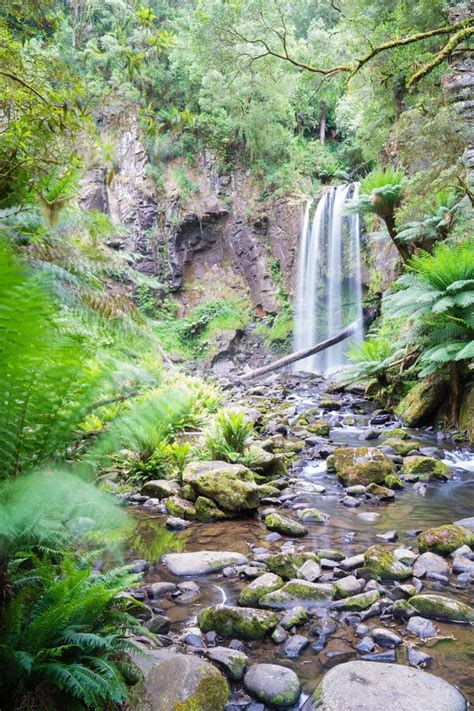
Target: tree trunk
402,250
299,355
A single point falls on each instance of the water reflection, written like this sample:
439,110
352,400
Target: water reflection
150,539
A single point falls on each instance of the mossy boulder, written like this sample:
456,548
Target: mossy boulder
358,603
382,564
286,565
331,463
438,607
231,486
285,525
297,593
402,446
272,684
207,511
445,539
313,516
362,465
231,661
393,481
160,488
466,413
266,583
329,404
268,490
264,462
240,622
383,492
182,682
320,428
394,432
182,508
423,401
426,468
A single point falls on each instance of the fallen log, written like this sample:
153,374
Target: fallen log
299,355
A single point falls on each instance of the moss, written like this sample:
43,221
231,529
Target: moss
313,516
297,592
329,404
439,607
331,463
430,466
287,564
402,446
251,594
393,481
321,428
207,511
381,491
366,473
284,525
423,401
382,564
268,490
395,432
444,539
211,695
357,603
230,622
180,507
466,413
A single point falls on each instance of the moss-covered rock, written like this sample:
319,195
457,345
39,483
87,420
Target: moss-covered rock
357,603
393,481
320,428
297,593
266,583
176,506
426,467
286,565
402,446
272,684
382,564
395,432
231,486
231,661
438,607
160,488
383,492
329,404
445,539
284,525
207,511
362,465
466,413
241,622
313,516
261,460
268,490
331,463
423,401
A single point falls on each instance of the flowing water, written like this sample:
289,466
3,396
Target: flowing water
328,294
347,531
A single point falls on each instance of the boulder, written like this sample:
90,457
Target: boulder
240,622
182,682
401,446
232,661
422,402
202,562
284,525
357,603
272,684
180,508
383,565
362,465
287,565
445,539
371,687
320,428
207,511
438,607
426,468
313,516
428,564
266,583
160,488
231,486
297,593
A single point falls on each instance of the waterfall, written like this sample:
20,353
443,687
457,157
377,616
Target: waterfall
328,293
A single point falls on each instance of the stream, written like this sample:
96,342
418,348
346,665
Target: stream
349,530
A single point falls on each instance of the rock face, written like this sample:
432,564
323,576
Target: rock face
272,684
374,686
202,562
182,682
241,622
231,486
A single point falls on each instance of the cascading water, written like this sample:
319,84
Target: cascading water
329,285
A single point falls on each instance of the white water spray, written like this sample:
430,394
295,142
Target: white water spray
329,286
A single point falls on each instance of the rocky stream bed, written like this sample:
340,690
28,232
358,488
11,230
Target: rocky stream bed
328,578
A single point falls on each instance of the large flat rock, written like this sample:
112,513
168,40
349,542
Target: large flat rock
202,562
372,686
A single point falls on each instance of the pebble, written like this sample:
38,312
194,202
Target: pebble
294,646
386,638
365,645
350,502
418,659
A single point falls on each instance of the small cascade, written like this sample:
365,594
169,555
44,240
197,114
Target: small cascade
328,293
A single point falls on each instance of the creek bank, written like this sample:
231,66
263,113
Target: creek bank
335,593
